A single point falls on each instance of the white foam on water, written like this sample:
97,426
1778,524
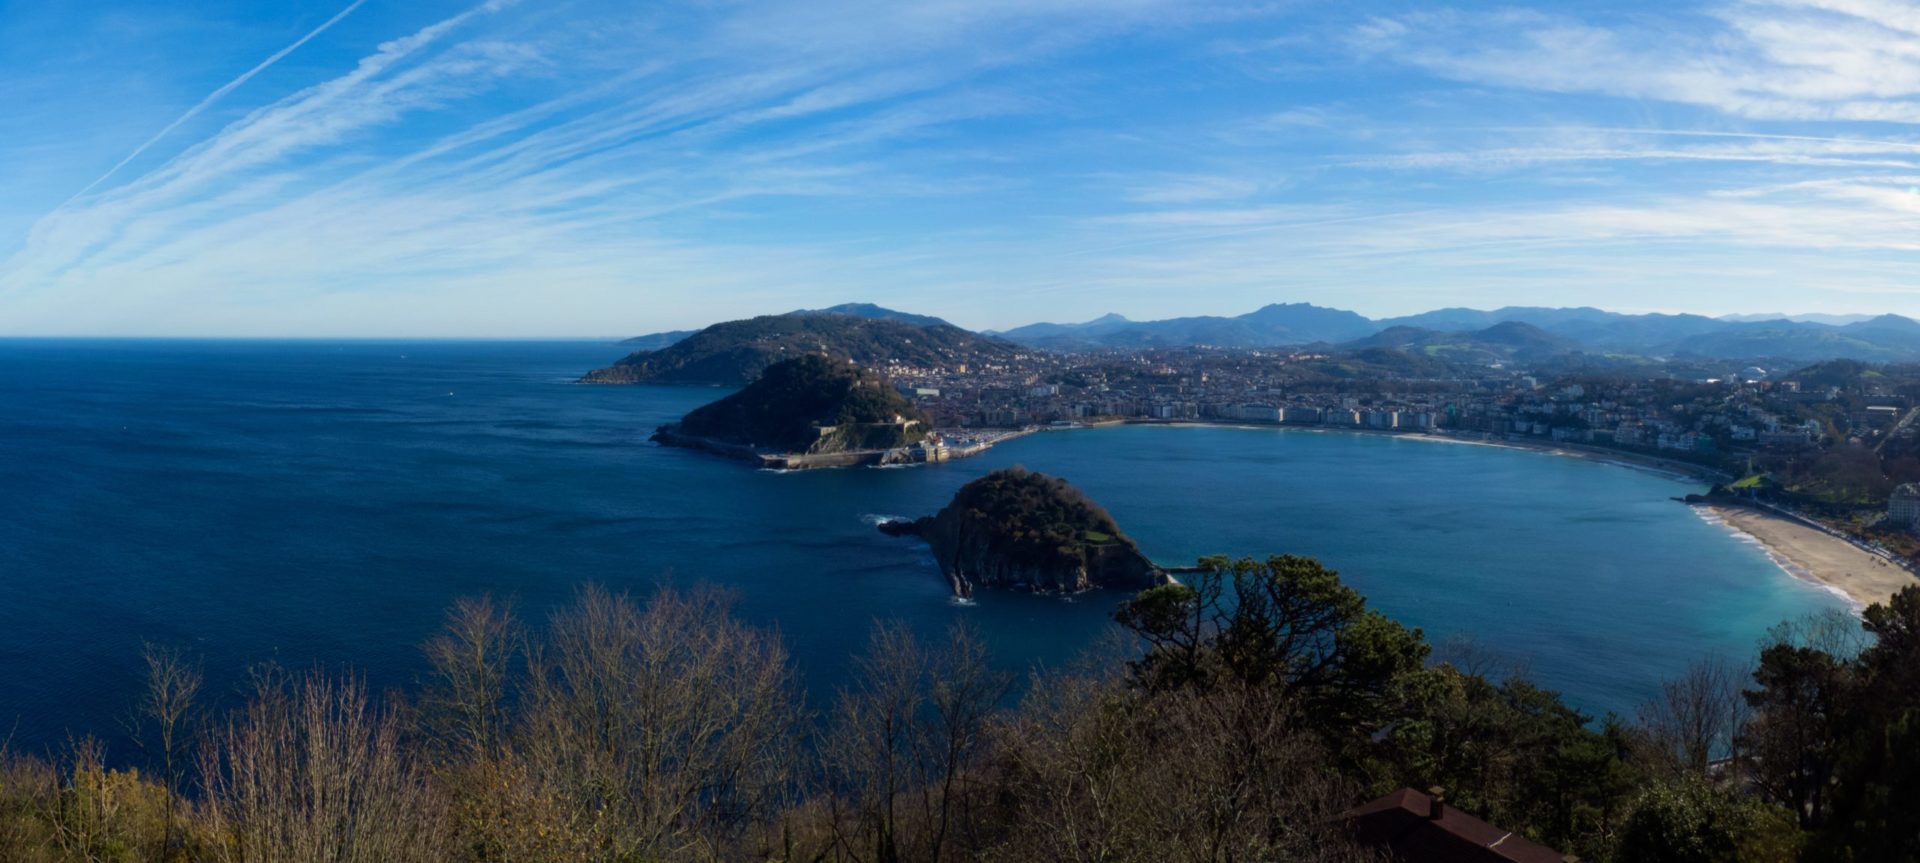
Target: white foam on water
877,519
1798,572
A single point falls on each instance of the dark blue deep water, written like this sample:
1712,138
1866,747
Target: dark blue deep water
320,502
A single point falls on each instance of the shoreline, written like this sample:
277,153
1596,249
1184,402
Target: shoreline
1814,555
1618,458
788,462
1803,550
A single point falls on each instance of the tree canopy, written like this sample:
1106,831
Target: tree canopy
1035,518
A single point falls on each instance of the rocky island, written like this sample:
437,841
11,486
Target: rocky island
1016,528
810,411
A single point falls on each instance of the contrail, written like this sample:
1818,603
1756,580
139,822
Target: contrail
213,97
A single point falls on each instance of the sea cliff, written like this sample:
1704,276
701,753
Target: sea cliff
1018,529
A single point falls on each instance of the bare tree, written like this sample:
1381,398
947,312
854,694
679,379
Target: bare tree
1698,716
464,705
93,813
1094,771
162,721
870,750
1474,658
965,691
309,772
27,786
1833,632
668,732
906,738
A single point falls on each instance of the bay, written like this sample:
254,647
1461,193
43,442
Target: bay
322,502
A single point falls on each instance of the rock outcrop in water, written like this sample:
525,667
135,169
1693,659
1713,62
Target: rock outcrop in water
1015,528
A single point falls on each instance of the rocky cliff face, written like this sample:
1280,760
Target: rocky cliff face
974,551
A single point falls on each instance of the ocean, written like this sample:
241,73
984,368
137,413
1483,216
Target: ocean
321,503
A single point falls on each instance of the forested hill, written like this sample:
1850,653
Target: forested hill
785,409
736,352
1017,528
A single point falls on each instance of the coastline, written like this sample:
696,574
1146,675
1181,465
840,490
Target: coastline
787,462
1814,555
1617,458
1802,549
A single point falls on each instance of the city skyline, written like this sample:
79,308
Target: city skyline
582,169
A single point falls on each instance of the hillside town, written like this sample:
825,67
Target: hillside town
1833,440
1706,420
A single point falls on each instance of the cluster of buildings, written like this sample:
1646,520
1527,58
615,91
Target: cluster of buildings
1903,508
1702,420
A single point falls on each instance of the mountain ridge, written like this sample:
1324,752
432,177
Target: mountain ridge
1583,329
736,352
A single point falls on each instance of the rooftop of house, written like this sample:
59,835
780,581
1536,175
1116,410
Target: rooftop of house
1420,828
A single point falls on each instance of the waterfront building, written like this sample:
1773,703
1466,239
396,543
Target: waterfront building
1903,508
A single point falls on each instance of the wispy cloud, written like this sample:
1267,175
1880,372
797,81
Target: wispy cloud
589,167
216,95
1851,60
598,190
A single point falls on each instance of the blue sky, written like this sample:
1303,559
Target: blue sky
582,168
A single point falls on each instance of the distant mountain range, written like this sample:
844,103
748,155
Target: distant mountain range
1508,340
1808,318
1548,331
1524,333
1279,324
875,313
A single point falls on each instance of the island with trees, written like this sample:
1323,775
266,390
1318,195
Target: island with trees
1017,528
810,411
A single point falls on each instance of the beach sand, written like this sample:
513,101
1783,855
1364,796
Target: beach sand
1864,577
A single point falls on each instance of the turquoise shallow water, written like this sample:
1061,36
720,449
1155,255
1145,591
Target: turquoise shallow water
322,502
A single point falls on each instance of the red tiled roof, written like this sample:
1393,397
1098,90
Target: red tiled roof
1401,822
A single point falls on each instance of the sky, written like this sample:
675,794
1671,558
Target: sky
561,168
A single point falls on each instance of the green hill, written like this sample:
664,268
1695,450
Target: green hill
1017,528
1510,340
736,352
810,404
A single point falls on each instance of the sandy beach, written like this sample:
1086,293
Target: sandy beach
1864,577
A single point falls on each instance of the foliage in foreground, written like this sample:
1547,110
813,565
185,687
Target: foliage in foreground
1261,699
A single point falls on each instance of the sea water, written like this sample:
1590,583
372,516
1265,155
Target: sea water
320,503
